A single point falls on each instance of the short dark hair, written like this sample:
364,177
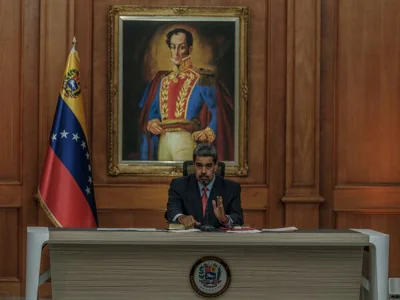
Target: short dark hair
205,150
188,35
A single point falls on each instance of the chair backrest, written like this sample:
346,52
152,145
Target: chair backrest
188,168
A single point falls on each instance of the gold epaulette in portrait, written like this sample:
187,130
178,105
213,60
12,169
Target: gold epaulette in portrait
207,77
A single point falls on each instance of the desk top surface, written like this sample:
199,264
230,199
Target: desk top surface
164,237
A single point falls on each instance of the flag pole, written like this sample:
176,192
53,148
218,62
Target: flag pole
66,189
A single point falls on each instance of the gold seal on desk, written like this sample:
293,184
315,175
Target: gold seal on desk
210,276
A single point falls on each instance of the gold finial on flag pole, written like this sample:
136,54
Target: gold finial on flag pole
73,44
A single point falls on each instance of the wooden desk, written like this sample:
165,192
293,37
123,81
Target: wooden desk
123,264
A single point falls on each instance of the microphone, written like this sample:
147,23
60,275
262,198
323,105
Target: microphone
207,227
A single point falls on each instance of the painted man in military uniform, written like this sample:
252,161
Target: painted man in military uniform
183,107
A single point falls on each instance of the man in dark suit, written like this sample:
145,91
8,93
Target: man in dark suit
204,198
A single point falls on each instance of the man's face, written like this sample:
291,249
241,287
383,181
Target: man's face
205,169
179,48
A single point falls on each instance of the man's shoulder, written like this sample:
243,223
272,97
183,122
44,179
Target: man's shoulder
160,74
207,77
180,181
203,72
230,183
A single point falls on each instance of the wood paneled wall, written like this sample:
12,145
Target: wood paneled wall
360,118
323,117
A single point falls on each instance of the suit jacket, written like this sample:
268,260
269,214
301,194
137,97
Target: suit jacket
184,198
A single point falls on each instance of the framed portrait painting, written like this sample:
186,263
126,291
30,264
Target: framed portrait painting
177,78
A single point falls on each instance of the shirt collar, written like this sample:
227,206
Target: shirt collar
186,64
209,185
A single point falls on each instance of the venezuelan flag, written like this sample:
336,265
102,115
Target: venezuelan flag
66,187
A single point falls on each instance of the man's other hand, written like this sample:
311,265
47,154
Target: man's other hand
200,136
154,127
188,221
204,136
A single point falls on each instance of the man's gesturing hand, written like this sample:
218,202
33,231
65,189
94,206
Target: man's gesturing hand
219,210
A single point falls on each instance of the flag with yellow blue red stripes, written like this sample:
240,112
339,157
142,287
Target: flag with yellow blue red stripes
66,190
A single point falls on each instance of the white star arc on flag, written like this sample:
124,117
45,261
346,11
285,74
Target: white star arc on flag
64,134
75,136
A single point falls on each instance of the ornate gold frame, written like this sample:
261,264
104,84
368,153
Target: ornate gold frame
152,168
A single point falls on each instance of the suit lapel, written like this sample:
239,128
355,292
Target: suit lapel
195,199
